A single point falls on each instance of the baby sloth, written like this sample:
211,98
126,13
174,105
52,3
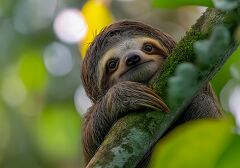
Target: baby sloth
116,72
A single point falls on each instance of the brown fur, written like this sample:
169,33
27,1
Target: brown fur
106,39
112,103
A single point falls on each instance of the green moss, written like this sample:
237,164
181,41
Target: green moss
184,49
182,53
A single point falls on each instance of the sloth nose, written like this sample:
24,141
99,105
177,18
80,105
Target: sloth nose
132,59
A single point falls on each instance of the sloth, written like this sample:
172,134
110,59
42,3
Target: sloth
116,73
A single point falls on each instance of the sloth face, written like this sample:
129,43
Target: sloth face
134,59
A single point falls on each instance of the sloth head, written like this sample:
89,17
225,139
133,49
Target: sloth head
124,51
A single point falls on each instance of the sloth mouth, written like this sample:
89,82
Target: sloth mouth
134,67
142,72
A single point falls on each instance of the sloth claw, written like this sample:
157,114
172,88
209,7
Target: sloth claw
132,95
149,101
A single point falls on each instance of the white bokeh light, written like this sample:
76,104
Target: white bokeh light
70,26
58,59
226,92
234,104
82,102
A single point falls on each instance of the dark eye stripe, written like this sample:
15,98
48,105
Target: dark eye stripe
161,52
156,50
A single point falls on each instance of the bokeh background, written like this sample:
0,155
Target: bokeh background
42,43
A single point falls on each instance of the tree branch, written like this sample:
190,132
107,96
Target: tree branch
132,136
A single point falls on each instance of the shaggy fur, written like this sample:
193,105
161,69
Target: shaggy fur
109,104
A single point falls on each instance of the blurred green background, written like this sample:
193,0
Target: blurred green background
41,47
39,77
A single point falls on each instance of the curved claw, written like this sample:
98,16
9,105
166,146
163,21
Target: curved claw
145,97
151,101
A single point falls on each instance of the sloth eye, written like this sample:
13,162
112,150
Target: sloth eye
148,48
112,65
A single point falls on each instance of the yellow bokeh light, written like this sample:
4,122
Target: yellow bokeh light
97,16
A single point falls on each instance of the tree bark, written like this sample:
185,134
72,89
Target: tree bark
132,136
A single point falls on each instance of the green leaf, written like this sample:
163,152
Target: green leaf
224,75
183,84
196,144
178,3
230,158
210,49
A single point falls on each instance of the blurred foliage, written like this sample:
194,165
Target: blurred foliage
178,3
61,140
209,50
196,144
39,123
224,74
221,4
226,4
186,76
33,80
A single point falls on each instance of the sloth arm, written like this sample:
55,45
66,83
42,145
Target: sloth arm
118,101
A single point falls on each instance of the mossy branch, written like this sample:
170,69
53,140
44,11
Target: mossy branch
132,136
